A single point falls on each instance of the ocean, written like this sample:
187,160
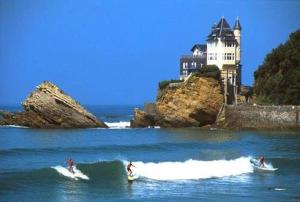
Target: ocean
171,164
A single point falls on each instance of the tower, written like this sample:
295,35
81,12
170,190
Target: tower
237,34
224,51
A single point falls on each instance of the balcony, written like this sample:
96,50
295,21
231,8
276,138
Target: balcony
192,56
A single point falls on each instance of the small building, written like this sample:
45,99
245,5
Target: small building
223,49
193,62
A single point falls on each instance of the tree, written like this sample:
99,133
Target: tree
277,80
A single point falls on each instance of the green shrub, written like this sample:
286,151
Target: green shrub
163,84
209,71
261,100
277,80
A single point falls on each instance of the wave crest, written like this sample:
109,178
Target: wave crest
115,170
13,126
118,125
192,169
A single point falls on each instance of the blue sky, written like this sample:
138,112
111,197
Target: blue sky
116,51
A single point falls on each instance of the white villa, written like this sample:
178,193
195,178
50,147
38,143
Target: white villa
223,49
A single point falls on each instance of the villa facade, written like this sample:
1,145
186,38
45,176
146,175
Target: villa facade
222,49
192,63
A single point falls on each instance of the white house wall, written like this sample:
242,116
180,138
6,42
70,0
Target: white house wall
220,49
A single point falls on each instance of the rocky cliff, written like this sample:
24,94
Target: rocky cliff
50,107
193,103
142,119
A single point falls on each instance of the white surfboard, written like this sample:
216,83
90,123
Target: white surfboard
255,165
132,177
76,175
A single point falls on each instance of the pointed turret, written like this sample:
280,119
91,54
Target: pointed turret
223,24
237,25
222,29
237,34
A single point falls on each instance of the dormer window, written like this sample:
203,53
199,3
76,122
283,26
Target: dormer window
199,49
229,44
197,52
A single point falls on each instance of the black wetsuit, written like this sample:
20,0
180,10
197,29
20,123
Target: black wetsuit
128,167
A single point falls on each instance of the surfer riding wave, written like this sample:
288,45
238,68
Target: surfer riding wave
70,164
129,168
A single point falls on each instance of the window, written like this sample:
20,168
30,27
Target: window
194,64
229,44
212,56
216,56
196,52
184,65
228,56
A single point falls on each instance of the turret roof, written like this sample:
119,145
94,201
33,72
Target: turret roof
201,47
221,30
237,24
223,24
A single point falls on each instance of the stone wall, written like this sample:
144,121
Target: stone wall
262,117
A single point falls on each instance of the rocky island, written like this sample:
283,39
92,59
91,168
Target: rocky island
193,103
201,98
49,107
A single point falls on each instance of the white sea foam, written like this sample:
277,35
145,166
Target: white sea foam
13,126
279,189
192,169
154,127
118,125
65,172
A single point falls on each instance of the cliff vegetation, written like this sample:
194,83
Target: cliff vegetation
277,80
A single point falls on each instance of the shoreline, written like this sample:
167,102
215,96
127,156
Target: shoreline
235,117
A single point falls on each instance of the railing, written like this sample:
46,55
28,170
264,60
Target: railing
192,56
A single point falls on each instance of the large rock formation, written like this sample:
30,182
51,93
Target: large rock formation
193,103
142,119
50,107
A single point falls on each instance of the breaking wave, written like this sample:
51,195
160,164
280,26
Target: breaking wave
118,125
115,170
13,126
193,169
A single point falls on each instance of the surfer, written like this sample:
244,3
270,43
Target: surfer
261,161
70,163
129,168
